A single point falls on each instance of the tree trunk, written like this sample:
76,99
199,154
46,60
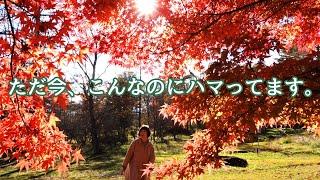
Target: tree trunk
94,133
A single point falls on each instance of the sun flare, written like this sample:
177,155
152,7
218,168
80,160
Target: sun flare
146,7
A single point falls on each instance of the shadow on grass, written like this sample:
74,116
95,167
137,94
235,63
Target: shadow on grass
9,173
234,161
109,161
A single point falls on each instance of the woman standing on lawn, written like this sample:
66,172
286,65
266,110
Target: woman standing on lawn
140,152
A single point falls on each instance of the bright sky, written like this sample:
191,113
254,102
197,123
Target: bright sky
146,7
104,71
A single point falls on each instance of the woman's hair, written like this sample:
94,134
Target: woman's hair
146,128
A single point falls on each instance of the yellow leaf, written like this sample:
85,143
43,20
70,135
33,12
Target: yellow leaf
53,120
219,114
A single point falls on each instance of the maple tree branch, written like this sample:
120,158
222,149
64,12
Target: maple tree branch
277,9
89,59
94,65
5,32
219,15
84,71
105,69
192,35
246,6
26,10
19,6
13,37
11,59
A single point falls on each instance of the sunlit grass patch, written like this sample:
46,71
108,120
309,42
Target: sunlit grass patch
293,155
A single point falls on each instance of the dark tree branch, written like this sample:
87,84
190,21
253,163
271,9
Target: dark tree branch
6,6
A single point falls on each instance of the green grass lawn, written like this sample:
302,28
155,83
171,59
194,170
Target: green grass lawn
288,155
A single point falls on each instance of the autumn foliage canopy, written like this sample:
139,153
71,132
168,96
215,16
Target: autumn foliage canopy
235,38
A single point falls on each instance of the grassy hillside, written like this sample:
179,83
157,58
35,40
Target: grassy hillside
278,155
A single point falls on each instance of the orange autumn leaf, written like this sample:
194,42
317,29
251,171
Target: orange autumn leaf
77,156
62,168
23,164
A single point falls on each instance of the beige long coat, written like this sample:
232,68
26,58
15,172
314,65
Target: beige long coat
138,154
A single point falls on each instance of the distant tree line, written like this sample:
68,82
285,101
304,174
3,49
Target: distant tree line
117,119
